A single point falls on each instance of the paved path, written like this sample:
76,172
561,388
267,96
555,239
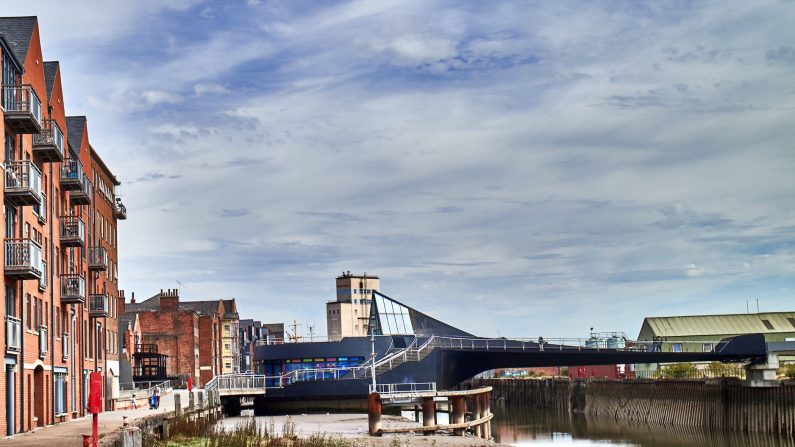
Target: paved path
70,434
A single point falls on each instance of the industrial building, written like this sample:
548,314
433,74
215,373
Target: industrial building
348,315
698,333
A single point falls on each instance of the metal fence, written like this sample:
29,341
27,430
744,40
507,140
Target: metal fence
391,389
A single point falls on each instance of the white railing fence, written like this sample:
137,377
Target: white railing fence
390,389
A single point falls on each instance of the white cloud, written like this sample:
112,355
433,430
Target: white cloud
155,97
203,88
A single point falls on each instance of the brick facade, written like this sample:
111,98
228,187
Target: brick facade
60,341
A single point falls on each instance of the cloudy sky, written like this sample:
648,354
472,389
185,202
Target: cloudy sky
513,168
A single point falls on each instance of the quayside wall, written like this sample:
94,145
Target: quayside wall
716,404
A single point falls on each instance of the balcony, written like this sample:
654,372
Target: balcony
23,259
65,345
81,196
98,305
48,144
97,258
42,341
43,279
22,109
73,289
71,175
13,334
73,231
23,183
119,210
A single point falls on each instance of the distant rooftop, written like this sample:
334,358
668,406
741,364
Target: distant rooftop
764,323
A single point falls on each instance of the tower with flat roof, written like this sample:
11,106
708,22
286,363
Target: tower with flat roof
349,314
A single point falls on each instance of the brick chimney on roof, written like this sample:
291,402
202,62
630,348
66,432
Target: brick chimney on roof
169,300
120,303
132,300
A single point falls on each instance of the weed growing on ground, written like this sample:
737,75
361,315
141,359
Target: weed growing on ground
186,433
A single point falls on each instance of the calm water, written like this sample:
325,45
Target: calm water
521,427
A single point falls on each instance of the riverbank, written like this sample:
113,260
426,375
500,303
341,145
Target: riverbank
337,430
716,404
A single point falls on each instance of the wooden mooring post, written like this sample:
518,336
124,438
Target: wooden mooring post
481,417
374,414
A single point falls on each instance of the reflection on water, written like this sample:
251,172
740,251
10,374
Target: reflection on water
536,427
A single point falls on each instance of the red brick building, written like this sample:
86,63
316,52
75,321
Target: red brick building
56,255
189,333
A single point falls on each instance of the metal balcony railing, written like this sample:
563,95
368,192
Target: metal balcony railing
23,183
81,196
49,143
23,259
146,348
42,341
73,288
43,279
22,108
65,345
71,175
97,258
98,305
73,231
13,334
119,210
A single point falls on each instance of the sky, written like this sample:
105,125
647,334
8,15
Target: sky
514,168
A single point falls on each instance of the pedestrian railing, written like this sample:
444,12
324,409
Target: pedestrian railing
390,390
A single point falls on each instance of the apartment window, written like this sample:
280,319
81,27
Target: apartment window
11,308
768,325
11,222
676,347
791,321
60,392
29,307
706,347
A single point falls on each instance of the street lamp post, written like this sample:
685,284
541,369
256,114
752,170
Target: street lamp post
372,354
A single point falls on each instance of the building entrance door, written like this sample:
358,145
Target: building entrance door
10,398
38,396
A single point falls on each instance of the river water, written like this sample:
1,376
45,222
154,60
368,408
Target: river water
535,428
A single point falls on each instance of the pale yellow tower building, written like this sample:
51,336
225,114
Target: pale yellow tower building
349,314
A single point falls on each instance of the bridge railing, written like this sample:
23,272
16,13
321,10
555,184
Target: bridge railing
236,382
390,389
580,344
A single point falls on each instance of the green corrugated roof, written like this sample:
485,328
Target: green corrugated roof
722,324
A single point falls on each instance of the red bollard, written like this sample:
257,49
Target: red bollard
86,440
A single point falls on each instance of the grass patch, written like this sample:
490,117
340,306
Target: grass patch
185,433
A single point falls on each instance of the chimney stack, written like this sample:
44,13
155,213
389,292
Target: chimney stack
169,300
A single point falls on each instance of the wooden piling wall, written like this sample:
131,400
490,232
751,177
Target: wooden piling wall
714,404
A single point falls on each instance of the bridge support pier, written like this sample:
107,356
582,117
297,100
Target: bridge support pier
231,406
428,414
260,406
458,414
374,414
763,373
